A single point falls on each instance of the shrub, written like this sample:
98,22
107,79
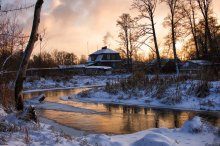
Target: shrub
202,89
120,97
208,103
6,97
160,90
84,94
111,88
199,89
173,97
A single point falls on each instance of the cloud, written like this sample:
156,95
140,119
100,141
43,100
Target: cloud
70,24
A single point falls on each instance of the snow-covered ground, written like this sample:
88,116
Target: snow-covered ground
146,98
195,132
137,97
14,131
75,81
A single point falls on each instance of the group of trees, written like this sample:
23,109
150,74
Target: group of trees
45,59
189,20
12,40
10,62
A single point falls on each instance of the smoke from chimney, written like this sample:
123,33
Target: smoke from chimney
106,38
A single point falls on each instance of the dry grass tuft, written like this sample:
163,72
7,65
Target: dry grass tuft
27,138
6,97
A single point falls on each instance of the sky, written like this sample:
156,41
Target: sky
80,26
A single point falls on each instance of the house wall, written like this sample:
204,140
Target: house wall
111,57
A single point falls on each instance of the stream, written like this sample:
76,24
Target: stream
115,119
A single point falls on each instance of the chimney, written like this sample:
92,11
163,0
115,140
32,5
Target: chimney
105,47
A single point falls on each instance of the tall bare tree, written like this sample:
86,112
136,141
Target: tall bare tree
189,9
128,36
174,21
204,6
24,63
146,9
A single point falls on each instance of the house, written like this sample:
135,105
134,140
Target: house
105,57
83,69
195,66
98,70
167,65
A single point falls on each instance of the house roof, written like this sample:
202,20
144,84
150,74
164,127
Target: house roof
99,67
71,66
164,61
104,50
200,62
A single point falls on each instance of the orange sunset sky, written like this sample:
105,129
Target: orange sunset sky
70,24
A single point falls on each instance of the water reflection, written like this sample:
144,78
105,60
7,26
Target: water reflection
119,119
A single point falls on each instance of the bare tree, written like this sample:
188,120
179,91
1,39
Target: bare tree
12,40
189,8
24,63
204,6
174,21
128,36
147,8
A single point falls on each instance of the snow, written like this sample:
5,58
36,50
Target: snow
75,81
154,139
200,62
17,132
138,98
14,131
158,137
99,67
2,112
35,134
146,98
104,51
72,66
193,125
194,132
99,58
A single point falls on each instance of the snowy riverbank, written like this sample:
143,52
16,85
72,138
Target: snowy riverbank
75,81
146,98
173,96
14,131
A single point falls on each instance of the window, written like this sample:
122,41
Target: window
108,57
113,57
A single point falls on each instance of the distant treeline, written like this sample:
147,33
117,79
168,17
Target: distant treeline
41,60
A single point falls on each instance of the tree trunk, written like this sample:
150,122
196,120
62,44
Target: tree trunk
194,32
174,45
24,63
155,42
127,49
206,39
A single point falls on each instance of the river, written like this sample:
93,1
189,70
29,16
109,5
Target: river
115,119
